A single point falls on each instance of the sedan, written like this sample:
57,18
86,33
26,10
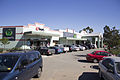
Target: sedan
96,56
109,68
75,48
58,50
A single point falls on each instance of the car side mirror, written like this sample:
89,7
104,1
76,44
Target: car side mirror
110,70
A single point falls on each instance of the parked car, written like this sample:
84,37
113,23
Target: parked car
24,47
20,65
96,56
86,47
69,46
74,48
46,50
58,50
93,46
109,68
64,47
81,47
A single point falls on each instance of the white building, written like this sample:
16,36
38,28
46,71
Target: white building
39,35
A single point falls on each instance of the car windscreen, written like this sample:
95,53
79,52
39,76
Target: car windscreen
93,52
7,62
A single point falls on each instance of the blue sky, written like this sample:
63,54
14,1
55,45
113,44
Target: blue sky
61,14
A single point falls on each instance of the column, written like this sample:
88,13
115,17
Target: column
98,42
51,41
101,42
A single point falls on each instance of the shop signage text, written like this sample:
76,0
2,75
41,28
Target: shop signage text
67,34
39,29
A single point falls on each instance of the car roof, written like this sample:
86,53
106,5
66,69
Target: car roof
114,58
101,51
18,53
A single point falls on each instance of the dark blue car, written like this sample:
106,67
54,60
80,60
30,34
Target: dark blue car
20,65
58,50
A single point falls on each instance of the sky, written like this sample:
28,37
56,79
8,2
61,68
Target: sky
61,14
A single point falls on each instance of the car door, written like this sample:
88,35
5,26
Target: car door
32,64
99,55
22,70
104,68
110,70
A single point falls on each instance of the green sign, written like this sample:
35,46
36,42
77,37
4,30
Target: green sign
74,36
8,32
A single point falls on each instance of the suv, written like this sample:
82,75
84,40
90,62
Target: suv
96,56
20,65
109,68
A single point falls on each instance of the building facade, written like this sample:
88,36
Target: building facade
39,35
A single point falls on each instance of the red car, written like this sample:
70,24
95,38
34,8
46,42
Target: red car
96,56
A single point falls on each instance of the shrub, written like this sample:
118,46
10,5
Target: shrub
115,51
1,50
14,49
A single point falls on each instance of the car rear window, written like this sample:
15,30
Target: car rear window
7,62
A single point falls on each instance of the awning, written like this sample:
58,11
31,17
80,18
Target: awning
69,38
41,33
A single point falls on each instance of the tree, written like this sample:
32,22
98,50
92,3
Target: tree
111,37
4,42
88,29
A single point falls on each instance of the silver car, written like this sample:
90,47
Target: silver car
109,68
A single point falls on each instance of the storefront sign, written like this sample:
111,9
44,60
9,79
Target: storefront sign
39,29
9,33
67,34
74,36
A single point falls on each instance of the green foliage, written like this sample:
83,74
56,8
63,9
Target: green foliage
88,29
1,50
111,37
115,51
4,42
14,49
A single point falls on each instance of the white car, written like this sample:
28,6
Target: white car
82,48
109,68
75,48
65,48
24,47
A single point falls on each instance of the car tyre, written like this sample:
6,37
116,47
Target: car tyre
39,73
95,60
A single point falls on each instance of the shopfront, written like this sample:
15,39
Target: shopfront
31,35
39,35
71,38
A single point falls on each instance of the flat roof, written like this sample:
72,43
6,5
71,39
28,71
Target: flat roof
70,38
41,33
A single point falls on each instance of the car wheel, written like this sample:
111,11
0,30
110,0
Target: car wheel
39,73
95,60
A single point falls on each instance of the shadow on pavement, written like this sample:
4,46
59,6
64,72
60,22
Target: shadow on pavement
80,55
84,61
94,67
89,76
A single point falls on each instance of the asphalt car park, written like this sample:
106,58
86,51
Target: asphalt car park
69,66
